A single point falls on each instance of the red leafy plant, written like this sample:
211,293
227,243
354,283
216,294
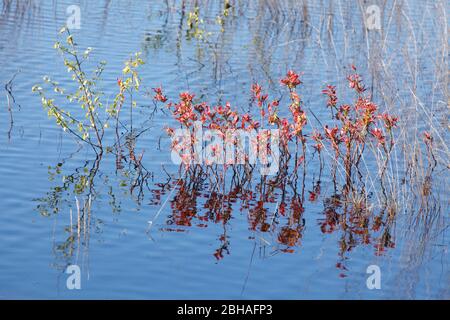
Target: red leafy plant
358,124
354,128
192,116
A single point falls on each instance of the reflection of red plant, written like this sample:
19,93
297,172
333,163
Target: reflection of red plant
258,217
381,246
331,221
313,195
218,254
289,236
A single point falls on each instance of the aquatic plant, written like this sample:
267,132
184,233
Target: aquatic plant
86,94
358,127
89,126
355,127
359,124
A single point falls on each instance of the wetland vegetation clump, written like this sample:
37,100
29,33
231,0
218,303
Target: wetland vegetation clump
87,123
356,133
358,127
240,136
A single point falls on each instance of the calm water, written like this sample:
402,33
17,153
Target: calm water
119,256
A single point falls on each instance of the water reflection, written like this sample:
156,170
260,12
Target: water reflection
274,210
